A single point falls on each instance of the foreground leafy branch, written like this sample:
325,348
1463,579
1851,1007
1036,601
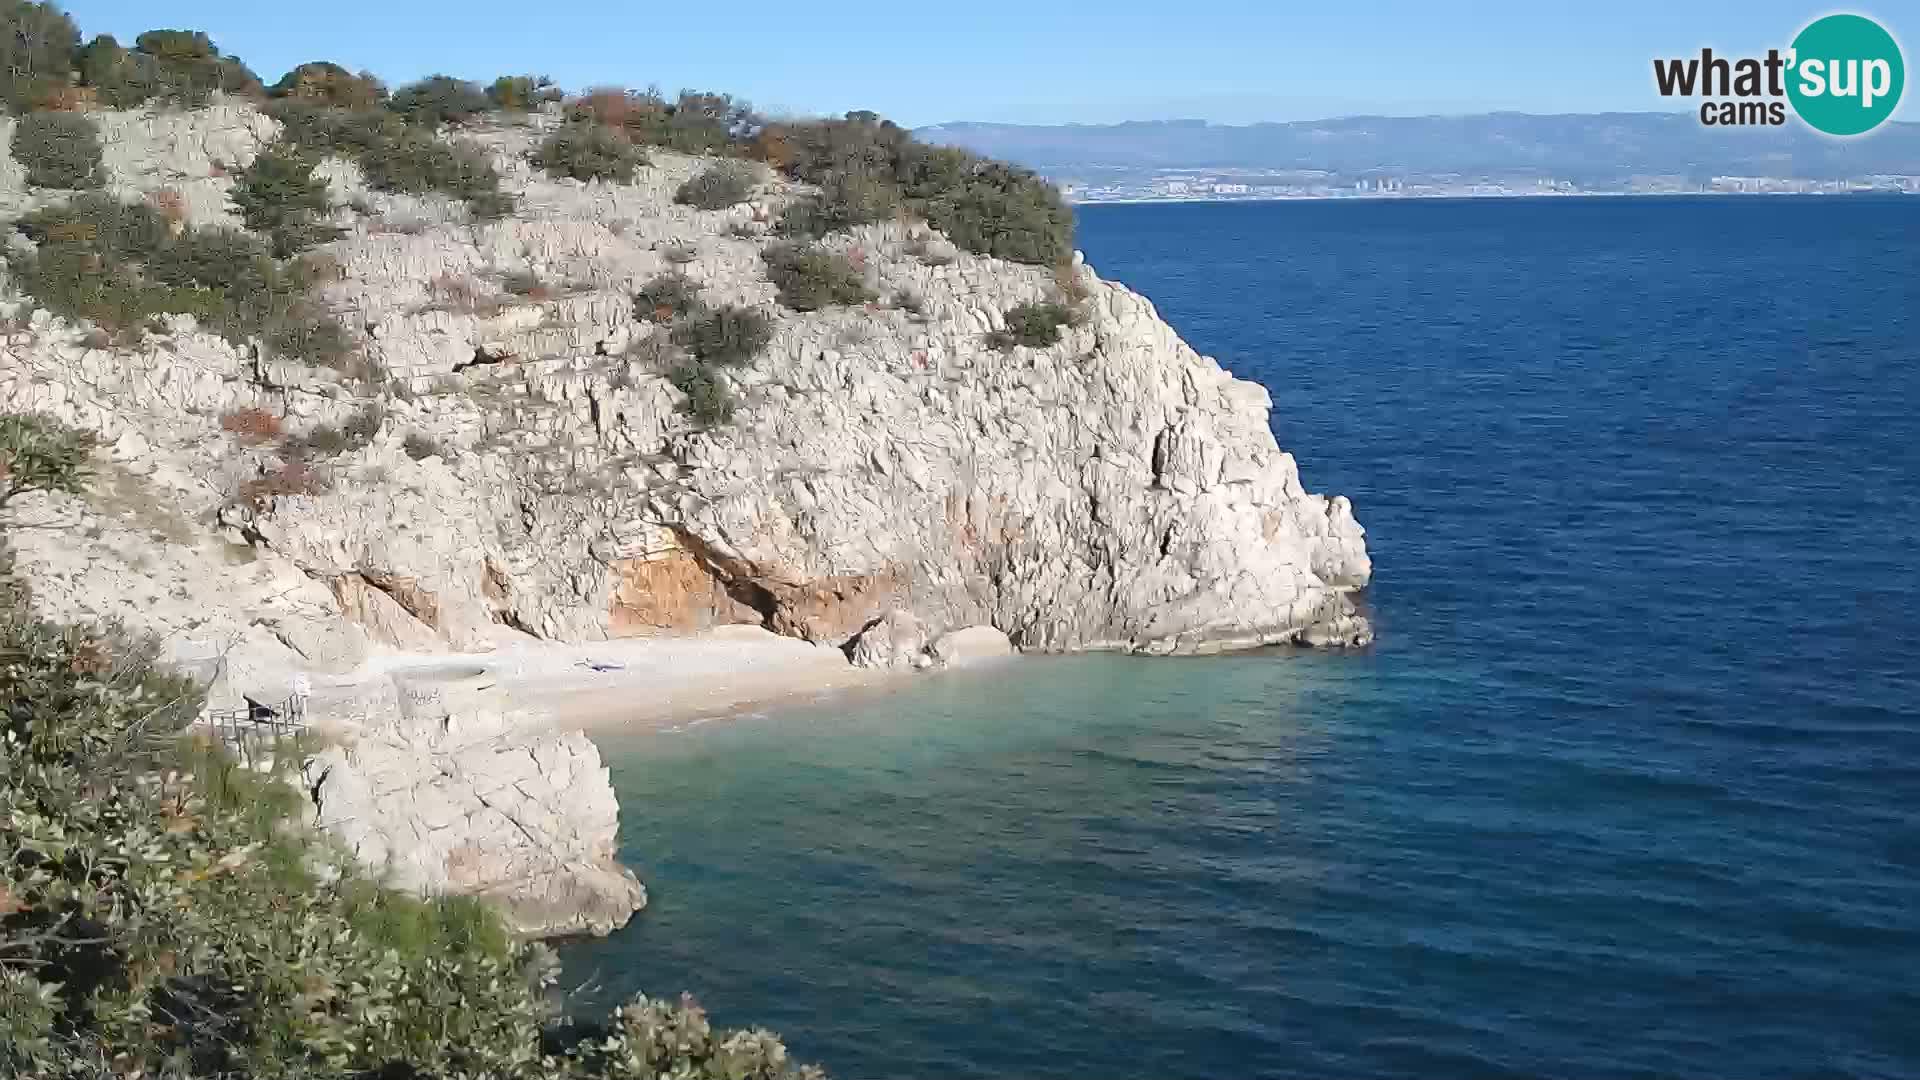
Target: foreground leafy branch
164,912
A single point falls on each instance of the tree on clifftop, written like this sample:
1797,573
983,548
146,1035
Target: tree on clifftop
328,83
36,52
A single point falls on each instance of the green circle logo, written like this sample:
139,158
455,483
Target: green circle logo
1847,75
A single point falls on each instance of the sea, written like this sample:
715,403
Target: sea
1628,787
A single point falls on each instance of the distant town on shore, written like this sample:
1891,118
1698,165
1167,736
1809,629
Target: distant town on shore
1491,154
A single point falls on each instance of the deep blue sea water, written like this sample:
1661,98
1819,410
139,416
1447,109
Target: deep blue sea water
1629,787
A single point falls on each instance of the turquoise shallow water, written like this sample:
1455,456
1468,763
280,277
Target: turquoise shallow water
1630,786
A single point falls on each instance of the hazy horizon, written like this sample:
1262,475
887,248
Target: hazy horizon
1243,63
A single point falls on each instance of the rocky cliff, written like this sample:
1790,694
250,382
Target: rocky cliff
534,475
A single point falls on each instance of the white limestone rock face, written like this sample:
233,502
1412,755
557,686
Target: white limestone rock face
894,640
437,788
888,479
970,645
1116,490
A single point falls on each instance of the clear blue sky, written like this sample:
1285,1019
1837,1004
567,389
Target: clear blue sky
1025,61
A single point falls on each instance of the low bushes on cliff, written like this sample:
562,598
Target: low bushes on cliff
120,264
692,123
392,155
37,41
810,278
164,913
59,150
40,454
724,184
713,340
180,67
666,298
729,336
417,162
278,195
440,99
522,93
865,166
1033,325
709,400
326,83
585,150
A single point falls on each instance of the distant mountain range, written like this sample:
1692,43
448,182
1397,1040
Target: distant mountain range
1589,149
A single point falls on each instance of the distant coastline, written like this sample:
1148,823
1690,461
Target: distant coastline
1462,195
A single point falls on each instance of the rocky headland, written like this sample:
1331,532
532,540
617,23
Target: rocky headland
895,485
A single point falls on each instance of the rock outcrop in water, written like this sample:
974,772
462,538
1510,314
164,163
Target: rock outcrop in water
889,479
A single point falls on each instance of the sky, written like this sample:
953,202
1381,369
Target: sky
1026,62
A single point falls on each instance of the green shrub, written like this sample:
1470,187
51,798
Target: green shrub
59,149
325,83
325,440
37,43
720,186
440,99
188,69
311,336
666,298
522,93
117,265
418,163
392,155
863,163
39,453
1034,325
232,261
318,129
709,399
729,336
810,279
163,908
117,230
120,78
523,283
279,195
419,447
693,123
588,151
490,205
178,66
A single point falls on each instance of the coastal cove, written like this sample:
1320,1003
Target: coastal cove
1622,788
